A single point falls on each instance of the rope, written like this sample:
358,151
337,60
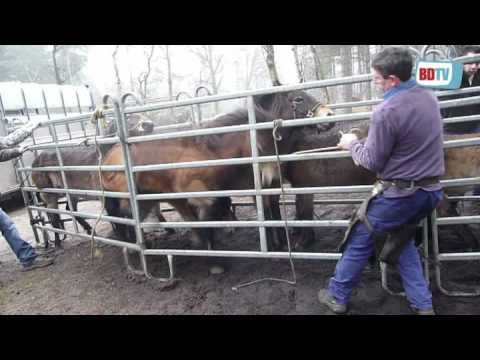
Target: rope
277,137
98,115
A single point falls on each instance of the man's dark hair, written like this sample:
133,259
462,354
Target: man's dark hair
471,49
394,61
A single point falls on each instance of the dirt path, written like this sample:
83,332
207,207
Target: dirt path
76,285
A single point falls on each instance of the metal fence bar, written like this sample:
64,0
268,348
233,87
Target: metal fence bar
88,237
249,223
256,174
245,254
123,132
84,215
53,134
230,193
373,102
437,258
98,193
67,126
240,161
82,125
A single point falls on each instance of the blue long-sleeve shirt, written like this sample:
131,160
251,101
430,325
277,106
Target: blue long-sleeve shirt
405,139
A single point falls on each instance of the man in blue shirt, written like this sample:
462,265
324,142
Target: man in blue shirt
405,148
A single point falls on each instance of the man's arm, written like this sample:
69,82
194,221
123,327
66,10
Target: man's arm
9,154
18,135
374,153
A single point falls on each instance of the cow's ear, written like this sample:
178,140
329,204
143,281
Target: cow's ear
265,102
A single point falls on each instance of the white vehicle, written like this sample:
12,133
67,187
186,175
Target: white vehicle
21,102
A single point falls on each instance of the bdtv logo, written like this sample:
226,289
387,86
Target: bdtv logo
439,74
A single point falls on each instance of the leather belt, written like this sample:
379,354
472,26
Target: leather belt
410,184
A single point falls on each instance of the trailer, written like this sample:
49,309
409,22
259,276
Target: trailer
22,102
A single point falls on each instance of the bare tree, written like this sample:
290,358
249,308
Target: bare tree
214,66
169,72
55,50
346,56
168,60
251,66
269,55
144,76
319,75
117,73
299,65
132,81
364,66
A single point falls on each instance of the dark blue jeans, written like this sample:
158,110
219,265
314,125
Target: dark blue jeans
385,214
24,252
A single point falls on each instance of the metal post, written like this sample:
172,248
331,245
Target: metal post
197,93
436,259
256,173
192,110
65,113
123,134
53,134
80,111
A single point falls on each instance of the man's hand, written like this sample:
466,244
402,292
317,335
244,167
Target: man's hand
346,140
22,148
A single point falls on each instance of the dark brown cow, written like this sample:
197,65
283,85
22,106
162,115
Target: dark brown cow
294,104
80,180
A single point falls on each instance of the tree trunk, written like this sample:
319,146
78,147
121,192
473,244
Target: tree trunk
368,64
149,69
132,82
69,67
269,55
213,66
58,79
169,77
319,75
346,54
298,64
213,73
365,68
117,73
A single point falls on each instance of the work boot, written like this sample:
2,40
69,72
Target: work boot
326,299
38,262
41,251
422,311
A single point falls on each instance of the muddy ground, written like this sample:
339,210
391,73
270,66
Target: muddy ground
77,285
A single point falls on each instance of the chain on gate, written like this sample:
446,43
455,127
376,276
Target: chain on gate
98,115
277,137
